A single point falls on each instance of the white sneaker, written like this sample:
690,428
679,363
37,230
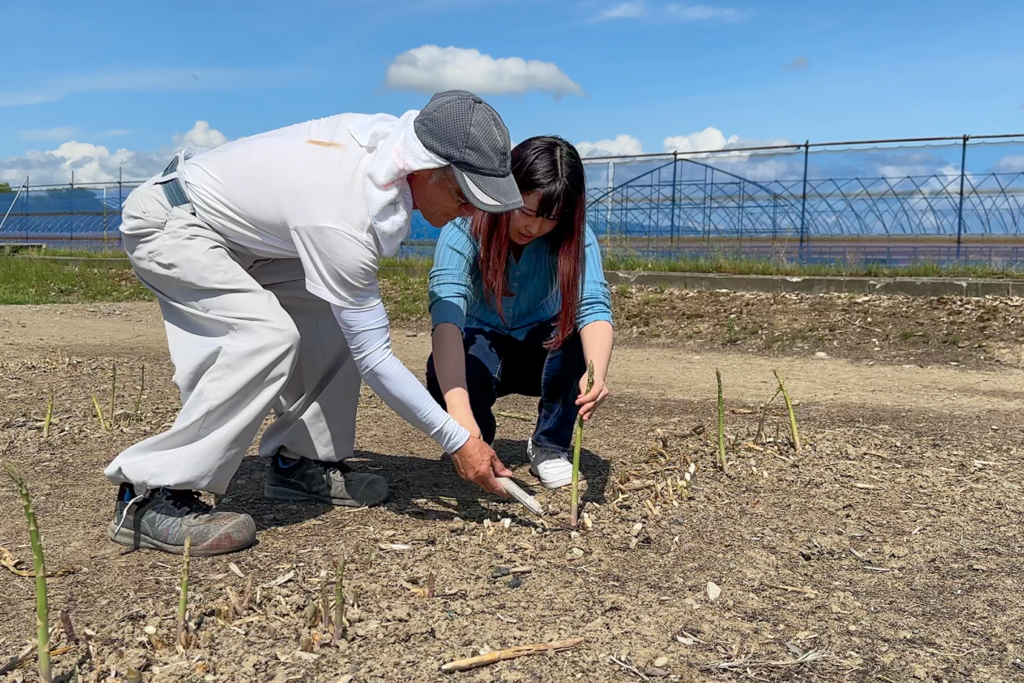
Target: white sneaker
554,469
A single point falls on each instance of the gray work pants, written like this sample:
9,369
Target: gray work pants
245,338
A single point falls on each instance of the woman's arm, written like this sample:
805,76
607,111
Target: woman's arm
450,366
597,349
449,293
594,320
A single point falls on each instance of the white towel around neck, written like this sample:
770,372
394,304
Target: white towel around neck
398,153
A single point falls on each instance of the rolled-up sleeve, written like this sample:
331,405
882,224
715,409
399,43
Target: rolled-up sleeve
450,288
595,299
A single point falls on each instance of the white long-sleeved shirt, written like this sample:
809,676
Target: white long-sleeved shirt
298,192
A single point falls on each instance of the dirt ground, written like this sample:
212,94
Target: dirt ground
888,549
972,332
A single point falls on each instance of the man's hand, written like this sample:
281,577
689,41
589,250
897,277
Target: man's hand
589,401
465,418
477,462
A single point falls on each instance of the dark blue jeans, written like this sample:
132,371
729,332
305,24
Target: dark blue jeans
498,365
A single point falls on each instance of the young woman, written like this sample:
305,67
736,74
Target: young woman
520,305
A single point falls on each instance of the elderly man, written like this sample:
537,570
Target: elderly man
263,254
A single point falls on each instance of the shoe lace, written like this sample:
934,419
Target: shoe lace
336,470
188,501
124,515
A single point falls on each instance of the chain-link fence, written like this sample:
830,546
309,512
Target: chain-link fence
894,201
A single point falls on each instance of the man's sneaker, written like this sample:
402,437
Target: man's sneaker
553,468
333,483
164,518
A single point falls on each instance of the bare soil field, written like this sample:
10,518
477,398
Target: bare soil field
888,549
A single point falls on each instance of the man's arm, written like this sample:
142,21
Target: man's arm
367,334
341,268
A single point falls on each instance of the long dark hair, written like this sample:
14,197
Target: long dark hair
551,166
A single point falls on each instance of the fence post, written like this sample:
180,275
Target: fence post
608,211
71,223
960,208
706,228
672,224
742,192
120,202
775,223
803,204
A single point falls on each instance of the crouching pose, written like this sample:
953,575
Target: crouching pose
520,305
263,254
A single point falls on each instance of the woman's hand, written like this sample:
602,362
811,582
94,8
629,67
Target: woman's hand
597,349
589,401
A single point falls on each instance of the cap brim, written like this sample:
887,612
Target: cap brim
490,194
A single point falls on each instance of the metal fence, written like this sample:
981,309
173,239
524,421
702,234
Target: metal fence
892,201
76,215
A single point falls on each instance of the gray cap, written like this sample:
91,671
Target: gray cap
465,131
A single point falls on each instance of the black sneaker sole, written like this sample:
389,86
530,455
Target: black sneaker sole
283,494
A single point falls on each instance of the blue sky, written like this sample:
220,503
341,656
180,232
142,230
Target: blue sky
137,77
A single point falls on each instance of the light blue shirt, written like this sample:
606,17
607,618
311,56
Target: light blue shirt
456,289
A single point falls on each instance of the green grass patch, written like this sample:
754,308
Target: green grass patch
75,253
390,262
405,297
715,263
28,280
37,281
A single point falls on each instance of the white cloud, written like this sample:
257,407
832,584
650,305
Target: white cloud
622,145
201,135
708,139
712,140
627,10
48,133
430,69
897,164
93,163
688,13
149,80
1010,164
673,12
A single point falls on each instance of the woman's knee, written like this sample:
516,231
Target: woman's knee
433,386
479,381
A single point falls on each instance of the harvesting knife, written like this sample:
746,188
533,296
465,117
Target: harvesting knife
513,489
